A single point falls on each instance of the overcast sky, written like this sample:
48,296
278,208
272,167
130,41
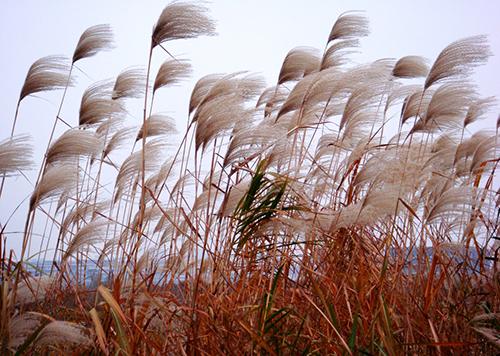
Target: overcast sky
252,35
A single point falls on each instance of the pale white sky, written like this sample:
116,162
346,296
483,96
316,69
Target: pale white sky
253,35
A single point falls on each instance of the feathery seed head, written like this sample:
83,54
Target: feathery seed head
15,155
458,59
47,73
181,20
171,72
130,83
93,40
349,25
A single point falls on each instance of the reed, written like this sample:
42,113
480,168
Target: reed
289,219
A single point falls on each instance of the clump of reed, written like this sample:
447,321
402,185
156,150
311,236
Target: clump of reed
347,209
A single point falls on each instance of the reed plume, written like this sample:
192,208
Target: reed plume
182,20
47,73
93,40
130,83
171,72
289,218
458,59
72,145
55,181
15,155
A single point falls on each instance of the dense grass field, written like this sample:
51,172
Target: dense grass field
346,209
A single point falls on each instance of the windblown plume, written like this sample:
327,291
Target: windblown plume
254,139
130,83
272,98
181,20
234,197
157,124
484,152
108,127
90,234
296,97
55,181
83,212
244,88
415,105
478,109
133,164
47,73
62,334
398,93
360,108
468,146
442,154
223,106
411,67
450,202
298,63
93,40
97,105
458,59
400,167
206,197
446,109
156,180
348,26
336,54
15,155
219,116
201,89
380,203
171,72
73,144
119,139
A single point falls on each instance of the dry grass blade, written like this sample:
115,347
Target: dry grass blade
15,155
47,73
99,330
181,20
93,40
458,59
171,72
491,334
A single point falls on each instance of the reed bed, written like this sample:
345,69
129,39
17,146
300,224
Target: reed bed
346,209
